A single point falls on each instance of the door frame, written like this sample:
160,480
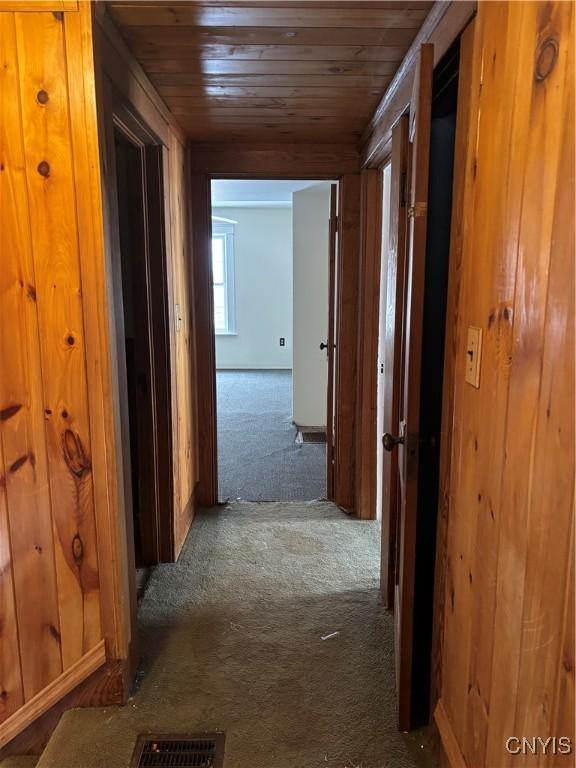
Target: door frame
131,127
345,309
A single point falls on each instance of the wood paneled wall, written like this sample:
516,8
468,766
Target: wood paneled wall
65,565
507,651
123,86
57,484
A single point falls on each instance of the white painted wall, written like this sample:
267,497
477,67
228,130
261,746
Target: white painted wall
310,214
263,289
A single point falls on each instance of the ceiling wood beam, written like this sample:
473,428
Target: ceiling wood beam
268,161
267,36
172,14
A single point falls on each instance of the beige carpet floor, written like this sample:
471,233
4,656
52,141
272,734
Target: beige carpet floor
269,628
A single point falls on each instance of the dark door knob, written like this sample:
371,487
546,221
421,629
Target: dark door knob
390,441
323,346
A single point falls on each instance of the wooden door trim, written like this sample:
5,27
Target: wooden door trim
448,740
332,245
346,340
160,346
368,328
345,328
200,218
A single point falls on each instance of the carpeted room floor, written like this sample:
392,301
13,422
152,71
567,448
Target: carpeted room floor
258,458
232,640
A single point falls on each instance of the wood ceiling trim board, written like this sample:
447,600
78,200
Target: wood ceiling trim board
150,51
266,161
268,92
369,5
276,136
264,121
170,14
264,114
284,36
226,105
307,83
225,67
180,95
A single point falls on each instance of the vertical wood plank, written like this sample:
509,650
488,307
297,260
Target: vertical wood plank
529,600
54,234
508,641
184,413
205,353
25,471
113,557
478,434
11,688
544,329
346,338
563,707
368,316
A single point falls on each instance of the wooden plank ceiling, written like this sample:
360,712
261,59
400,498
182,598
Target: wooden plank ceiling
294,71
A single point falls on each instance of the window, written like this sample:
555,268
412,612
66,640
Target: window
223,274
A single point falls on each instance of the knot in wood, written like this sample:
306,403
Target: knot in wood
77,549
546,58
74,454
44,169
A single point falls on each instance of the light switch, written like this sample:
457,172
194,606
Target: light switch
473,353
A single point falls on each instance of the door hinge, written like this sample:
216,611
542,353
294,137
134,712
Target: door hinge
417,210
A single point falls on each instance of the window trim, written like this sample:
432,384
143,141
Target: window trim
225,228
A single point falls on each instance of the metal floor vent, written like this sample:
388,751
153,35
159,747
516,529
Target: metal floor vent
163,751
316,436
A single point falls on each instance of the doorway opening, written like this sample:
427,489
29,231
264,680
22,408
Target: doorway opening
144,338
271,267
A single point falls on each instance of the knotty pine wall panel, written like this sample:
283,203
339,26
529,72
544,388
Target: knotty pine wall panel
508,641
58,510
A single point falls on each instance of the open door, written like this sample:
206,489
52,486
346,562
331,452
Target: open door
333,229
406,440
394,314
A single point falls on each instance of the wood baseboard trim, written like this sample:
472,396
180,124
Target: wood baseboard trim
447,738
53,693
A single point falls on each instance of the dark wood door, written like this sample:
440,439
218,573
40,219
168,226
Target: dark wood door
333,229
392,332
407,438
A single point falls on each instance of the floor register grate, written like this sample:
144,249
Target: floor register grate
206,751
311,436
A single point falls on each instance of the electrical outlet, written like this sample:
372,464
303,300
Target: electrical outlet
282,341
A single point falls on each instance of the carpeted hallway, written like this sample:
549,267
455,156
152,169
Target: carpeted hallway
258,458
232,640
